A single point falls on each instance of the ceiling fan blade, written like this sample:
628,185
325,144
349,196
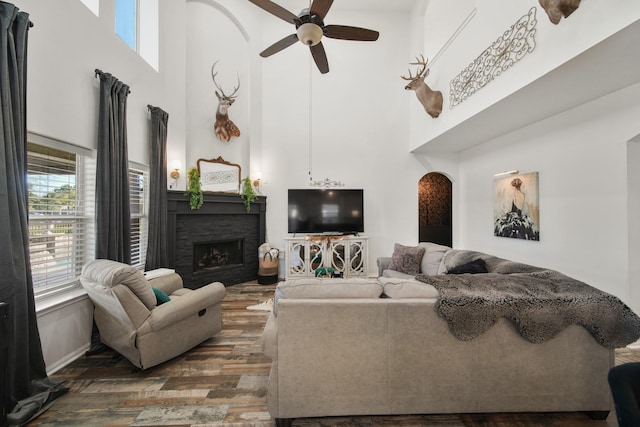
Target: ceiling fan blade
345,32
320,8
276,10
320,56
279,45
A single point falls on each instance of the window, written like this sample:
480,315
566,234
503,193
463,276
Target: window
137,197
127,22
60,212
93,6
61,185
136,22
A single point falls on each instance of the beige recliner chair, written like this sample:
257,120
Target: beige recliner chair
131,321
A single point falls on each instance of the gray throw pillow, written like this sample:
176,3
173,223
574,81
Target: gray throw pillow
432,259
406,259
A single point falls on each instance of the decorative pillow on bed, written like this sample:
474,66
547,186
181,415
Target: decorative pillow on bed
406,259
473,267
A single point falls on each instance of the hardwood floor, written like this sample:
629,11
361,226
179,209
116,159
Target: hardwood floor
223,382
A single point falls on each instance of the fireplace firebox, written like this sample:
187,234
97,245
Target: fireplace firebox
209,256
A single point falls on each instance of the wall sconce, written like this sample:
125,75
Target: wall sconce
511,172
175,173
256,181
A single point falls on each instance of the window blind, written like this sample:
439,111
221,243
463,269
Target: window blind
60,214
137,197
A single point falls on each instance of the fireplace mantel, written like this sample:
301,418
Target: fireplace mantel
221,217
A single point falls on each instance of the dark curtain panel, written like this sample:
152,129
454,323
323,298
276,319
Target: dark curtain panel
157,253
113,212
26,390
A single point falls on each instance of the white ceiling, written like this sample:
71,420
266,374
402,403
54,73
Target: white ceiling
388,5
295,6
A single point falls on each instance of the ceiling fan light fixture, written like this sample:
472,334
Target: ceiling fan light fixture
309,34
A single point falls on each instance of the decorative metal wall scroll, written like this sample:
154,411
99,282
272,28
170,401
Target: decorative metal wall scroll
508,49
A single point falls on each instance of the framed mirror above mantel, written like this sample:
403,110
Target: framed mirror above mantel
219,176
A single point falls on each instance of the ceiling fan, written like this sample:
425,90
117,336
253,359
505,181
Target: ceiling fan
310,29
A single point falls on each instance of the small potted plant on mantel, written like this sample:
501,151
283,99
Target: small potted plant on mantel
248,194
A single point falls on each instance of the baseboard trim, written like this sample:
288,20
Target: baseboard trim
55,367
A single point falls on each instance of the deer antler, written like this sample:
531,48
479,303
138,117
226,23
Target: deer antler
235,89
420,74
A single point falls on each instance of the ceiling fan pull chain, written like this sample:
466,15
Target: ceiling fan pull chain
310,123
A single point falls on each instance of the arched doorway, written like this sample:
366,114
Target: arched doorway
434,209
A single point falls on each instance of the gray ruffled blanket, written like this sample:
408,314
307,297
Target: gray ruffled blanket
539,303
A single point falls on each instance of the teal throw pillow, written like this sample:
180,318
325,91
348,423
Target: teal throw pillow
161,297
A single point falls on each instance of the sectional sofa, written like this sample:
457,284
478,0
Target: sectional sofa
361,347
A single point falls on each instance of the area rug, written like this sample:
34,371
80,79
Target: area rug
263,306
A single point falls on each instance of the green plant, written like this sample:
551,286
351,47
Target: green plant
248,194
193,188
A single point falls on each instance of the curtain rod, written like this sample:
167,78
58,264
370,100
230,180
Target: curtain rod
99,72
158,109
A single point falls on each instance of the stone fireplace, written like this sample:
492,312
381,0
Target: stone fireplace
218,242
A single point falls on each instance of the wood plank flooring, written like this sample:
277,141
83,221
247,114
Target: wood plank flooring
223,382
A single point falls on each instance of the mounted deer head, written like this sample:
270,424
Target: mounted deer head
556,9
430,100
224,127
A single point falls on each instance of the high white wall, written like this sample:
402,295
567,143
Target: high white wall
581,157
359,125
554,45
68,42
215,34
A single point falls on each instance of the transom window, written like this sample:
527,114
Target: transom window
127,22
137,23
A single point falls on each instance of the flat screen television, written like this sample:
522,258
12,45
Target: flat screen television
324,211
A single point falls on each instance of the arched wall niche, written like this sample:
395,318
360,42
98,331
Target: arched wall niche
435,212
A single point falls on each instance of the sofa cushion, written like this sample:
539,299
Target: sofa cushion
327,288
407,288
108,273
432,259
406,259
396,274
